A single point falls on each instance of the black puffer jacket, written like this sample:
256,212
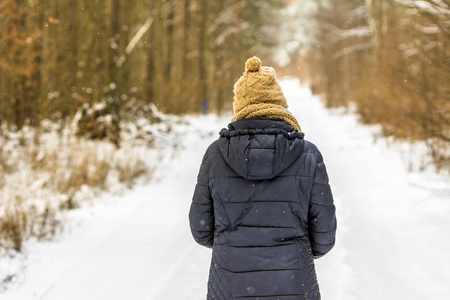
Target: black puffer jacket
263,203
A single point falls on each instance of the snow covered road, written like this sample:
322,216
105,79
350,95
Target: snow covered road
392,225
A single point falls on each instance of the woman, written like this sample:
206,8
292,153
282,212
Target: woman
262,201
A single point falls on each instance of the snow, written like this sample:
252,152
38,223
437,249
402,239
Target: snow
392,223
437,8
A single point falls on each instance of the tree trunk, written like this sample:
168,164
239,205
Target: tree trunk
170,40
114,86
186,36
375,13
202,53
151,45
34,84
19,79
73,42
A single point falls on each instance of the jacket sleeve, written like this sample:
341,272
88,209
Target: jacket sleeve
322,212
201,214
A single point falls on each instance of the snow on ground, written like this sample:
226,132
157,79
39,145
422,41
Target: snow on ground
392,224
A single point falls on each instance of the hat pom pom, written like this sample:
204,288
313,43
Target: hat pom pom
253,64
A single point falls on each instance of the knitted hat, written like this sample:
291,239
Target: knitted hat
258,94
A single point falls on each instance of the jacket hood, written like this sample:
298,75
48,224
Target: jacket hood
259,149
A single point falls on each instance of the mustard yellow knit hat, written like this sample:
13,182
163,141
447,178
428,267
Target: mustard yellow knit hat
258,94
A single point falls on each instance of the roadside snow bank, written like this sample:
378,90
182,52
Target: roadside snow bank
49,170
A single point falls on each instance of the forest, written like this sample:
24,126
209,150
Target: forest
390,59
58,57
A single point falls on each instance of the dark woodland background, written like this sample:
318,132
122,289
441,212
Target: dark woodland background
387,58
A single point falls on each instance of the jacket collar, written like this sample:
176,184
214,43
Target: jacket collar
251,126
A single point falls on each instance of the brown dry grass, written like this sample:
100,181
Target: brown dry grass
20,221
13,227
61,172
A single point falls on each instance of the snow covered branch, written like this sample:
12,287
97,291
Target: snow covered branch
351,49
336,34
437,7
135,40
229,31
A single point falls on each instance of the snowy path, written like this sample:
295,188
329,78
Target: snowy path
137,246
392,232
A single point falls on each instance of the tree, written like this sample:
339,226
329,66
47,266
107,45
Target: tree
59,58
391,64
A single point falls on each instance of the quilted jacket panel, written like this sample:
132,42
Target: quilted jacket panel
263,203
